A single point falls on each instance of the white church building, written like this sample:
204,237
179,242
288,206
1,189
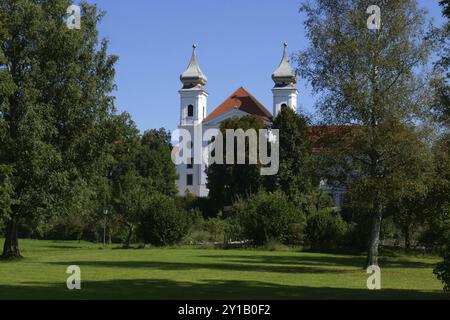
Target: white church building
193,107
193,116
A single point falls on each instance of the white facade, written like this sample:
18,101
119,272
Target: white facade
193,116
284,97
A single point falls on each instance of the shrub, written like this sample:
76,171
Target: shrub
163,223
265,216
325,230
275,245
442,271
213,230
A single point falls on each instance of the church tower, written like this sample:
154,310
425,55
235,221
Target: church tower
193,98
284,92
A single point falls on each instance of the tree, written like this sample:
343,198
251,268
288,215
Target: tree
266,216
442,103
57,112
154,161
408,213
439,200
163,223
228,181
142,167
295,175
6,192
368,80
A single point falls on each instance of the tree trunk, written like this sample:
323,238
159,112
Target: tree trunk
130,234
372,256
407,239
11,246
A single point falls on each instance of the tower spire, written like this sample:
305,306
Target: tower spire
284,74
193,76
284,92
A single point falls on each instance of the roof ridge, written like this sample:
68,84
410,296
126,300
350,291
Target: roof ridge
226,105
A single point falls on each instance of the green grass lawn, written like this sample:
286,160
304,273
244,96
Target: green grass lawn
209,274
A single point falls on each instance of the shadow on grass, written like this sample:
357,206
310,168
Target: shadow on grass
64,247
323,260
208,289
160,265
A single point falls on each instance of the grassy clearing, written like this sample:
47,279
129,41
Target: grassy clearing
164,273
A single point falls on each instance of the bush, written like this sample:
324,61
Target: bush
274,245
442,271
325,230
265,216
163,223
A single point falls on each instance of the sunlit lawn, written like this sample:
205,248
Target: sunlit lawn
208,274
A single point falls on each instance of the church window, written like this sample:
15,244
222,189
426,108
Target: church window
190,110
189,180
283,106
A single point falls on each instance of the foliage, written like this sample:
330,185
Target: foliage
57,110
6,192
325,230
141,167
295,175
154,161
226,182
265,216
442,271
162,222
370,88
436,205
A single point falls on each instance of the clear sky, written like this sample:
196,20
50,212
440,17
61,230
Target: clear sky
239,44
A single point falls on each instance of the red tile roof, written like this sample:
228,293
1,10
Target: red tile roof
241,99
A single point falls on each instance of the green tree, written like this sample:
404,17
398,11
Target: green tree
439,199
142,167
325,230
163,223
154,161
57,111
268,216
228,181
6,192
295,175
369,79
442,103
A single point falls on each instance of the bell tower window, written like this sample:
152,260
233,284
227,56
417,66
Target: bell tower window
189,180
190,110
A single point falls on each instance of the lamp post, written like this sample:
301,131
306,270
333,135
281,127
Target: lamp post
105,213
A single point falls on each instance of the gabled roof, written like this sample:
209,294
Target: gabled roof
242,100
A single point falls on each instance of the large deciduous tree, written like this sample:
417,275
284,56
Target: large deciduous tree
55,109
228,181
142,166
295,175
439,199
372,80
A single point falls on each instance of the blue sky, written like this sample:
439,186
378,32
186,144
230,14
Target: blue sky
239,44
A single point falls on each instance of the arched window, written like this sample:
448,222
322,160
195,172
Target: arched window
283,106
190,110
